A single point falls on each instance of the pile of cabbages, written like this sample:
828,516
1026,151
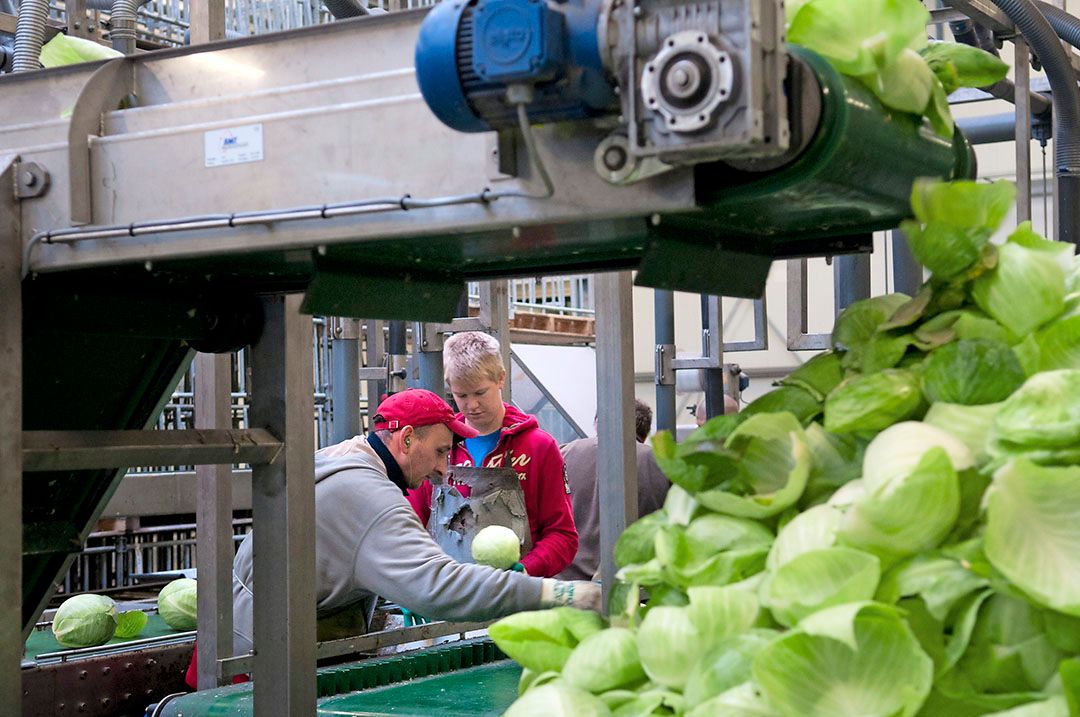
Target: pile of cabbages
894,530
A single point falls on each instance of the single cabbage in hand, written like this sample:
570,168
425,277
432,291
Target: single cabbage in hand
497,546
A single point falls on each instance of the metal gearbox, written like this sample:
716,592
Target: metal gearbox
698,80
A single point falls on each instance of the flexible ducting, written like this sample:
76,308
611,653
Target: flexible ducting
1044,42
342,9
123,16
30,34
1065,25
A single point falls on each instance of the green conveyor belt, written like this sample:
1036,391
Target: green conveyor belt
475,692
468,678
41,642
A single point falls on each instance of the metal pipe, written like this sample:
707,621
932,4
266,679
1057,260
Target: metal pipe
988,129
397,355
221,221
664,327
345,382
431,371
30,34
123,17
1044,42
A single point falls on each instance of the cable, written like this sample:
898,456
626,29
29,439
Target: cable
535,160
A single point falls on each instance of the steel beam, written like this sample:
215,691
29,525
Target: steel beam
397,356
1022,78
283,514
207,21
377,360
851,279
798,336
168,493
345,379
84,450
363,643
664,329
11,436
213,520
616,461
495,315
986,13
712,345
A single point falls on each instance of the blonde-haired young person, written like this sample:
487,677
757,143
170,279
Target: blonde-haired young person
474,371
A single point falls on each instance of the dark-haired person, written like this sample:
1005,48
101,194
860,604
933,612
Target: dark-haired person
580,457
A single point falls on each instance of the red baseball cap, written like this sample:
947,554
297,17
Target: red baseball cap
418,407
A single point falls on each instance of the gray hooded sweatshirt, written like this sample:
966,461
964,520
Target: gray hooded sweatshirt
369,542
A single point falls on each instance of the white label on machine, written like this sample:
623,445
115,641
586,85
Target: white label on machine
234,145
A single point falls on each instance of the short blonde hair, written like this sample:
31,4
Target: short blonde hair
472,356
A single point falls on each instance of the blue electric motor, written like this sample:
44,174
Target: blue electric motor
470,51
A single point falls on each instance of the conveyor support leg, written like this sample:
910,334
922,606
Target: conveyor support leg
11,527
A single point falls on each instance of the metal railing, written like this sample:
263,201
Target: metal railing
563,295
113,560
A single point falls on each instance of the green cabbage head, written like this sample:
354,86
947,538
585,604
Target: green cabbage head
85,621
497,546
177,604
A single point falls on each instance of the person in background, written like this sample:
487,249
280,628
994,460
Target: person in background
580,457
368,542
511,439
730,406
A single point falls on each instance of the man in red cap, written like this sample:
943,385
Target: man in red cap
369,542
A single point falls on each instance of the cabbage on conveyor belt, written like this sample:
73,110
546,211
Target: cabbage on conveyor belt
468,678
43,642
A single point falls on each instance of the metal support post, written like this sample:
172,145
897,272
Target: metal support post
345,379
798,336
664,328
283,512
616,464
207,21
11,386
1022,78
907,273
213,520
376,358
398,355
428,343
712,345
851,279
75,13
495,315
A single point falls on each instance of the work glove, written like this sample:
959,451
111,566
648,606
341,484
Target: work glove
581,594
411,619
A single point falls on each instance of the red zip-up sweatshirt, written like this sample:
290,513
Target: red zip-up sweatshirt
539,464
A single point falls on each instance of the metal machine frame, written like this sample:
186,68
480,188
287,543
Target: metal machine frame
279,182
